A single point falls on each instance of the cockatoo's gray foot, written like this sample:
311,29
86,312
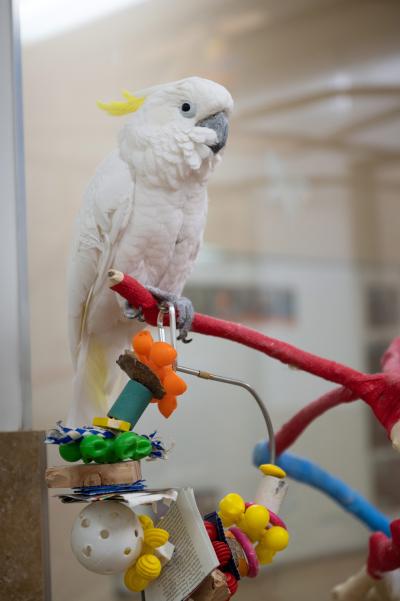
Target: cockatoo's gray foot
183,307
132,313
186,314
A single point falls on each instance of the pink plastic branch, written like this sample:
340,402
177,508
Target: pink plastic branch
380,391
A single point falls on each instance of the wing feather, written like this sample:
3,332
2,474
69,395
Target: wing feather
105,212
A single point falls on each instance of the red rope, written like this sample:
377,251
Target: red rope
380,391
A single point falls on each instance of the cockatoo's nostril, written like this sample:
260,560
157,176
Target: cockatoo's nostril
220,124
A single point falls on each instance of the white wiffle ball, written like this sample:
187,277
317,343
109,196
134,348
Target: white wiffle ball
107,537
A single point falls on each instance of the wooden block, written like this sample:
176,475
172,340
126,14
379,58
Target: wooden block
93,474
213,588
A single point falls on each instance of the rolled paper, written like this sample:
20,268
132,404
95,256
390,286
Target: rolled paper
131,403
271,493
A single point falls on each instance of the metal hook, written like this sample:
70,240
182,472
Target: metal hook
170,309
164,309
205,375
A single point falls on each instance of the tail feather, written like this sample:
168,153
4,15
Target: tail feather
96,374
98,379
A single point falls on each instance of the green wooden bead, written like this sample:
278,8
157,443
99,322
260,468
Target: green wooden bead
70,452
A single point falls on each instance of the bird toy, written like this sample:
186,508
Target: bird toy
136,238
380,391
242,536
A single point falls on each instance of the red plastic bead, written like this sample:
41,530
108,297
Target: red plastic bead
231,583
211,530
222,552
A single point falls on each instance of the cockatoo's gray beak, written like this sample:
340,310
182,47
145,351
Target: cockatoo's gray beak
220,124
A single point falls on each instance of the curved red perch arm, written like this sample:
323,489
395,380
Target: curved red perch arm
384,552
380,391
292,429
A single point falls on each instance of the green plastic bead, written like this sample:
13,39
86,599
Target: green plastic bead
144,448
100,450
70,452
131,446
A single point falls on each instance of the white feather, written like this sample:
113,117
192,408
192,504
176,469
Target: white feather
144,214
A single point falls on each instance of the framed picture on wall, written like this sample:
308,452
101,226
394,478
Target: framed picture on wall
244,303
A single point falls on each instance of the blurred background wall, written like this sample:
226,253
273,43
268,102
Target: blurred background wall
304,217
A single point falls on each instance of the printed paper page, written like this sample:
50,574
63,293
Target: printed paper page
194,557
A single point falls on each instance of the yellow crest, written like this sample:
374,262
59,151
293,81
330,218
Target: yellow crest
118,108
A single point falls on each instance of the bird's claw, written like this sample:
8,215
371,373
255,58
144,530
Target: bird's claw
183,337
184,310
132,313
185,318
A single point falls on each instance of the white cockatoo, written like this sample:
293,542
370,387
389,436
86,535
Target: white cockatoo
144,214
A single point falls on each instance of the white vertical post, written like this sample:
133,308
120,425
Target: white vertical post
15,392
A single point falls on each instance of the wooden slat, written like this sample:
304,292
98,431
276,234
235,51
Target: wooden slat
94,474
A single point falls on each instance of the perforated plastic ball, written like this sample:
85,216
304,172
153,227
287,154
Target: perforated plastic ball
106,537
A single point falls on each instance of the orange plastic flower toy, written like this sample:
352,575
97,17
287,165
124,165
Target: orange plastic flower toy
160,357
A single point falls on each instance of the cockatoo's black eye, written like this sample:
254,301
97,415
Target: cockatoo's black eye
188,109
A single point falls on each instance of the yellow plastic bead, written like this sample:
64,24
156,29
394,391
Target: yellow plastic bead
110,422
231,509
146,521
275,538
134,582
257,517
264,555
269,469
155,537
254,522
148,567
241,522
